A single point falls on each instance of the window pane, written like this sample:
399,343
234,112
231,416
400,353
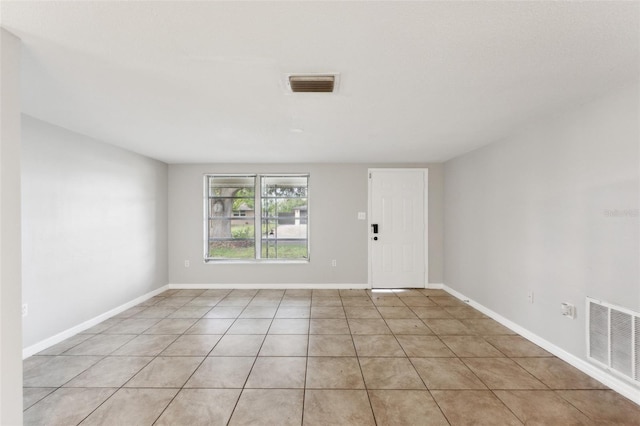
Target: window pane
281,249
231,208
284,217
232,249
286,186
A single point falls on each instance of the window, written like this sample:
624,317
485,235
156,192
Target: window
230,237
238,205
284,217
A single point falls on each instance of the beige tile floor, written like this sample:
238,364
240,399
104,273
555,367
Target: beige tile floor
312,357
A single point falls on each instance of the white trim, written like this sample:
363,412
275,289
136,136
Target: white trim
618,385
425,174
53,340
292,286
435,286
426,226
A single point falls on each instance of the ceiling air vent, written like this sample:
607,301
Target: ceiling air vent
312,83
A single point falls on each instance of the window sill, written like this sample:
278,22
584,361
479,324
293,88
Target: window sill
256,261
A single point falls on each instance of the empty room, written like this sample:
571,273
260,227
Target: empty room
320,213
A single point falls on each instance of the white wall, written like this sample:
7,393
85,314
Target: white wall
532,214
94,228
337,193
10,295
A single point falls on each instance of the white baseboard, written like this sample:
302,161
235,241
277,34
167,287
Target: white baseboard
435,286
620,386
53,340
293,286
281,286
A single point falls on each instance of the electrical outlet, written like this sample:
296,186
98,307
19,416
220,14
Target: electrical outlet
530,296
362,216
568,310
25,310
186,263
334,263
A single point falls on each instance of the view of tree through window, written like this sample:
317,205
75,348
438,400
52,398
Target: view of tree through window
276,205
230,236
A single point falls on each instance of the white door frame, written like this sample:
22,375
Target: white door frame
426,220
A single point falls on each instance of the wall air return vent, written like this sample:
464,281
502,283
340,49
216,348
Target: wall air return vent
312,83
613,338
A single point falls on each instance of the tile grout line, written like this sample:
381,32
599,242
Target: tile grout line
235,406
205,357
153,357
555,392
364,382
159,353
434,399
199,365
196,369
306,369
126,381
409,358
488,388
106,356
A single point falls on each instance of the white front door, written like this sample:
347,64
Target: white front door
397,228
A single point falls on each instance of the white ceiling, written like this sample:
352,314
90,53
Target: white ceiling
185,81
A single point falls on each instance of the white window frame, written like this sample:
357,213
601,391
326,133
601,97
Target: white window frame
257,219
